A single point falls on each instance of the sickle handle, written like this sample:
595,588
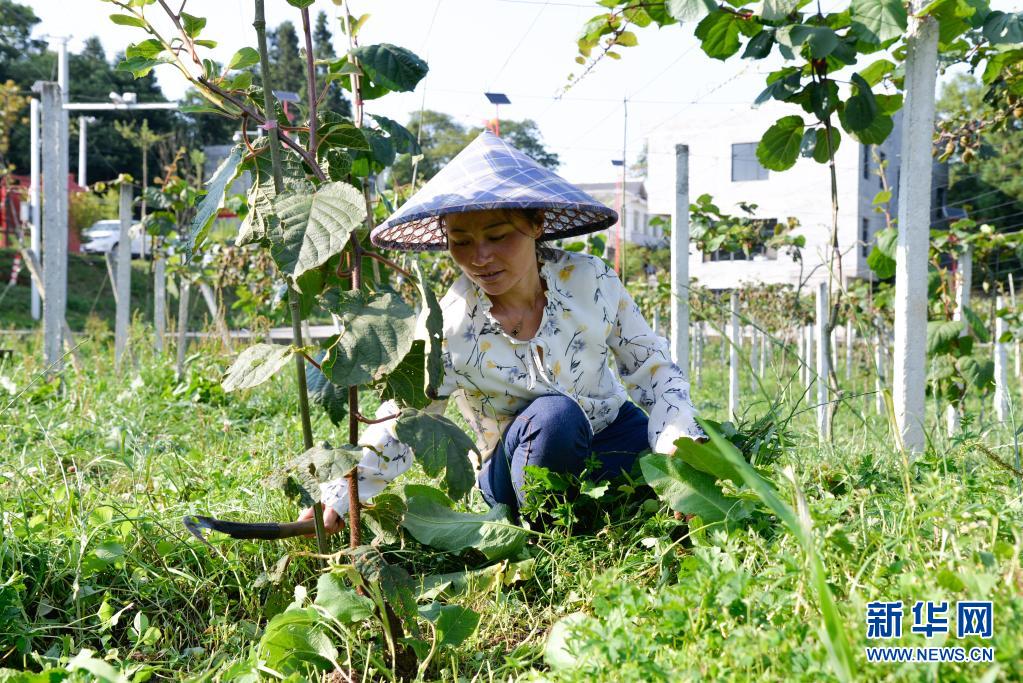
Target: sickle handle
267,531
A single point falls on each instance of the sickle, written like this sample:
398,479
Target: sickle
267,531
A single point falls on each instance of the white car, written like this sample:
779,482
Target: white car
102,237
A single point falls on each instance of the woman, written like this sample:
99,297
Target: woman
529,333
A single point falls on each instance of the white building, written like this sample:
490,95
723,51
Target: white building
638,228
723,164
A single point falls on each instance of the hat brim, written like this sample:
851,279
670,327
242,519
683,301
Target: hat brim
426,232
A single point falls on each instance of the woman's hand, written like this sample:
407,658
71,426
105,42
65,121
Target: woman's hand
332,522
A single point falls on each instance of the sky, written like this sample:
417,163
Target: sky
524,48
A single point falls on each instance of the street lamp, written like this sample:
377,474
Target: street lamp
497,99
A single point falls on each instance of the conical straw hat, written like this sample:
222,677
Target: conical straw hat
491,174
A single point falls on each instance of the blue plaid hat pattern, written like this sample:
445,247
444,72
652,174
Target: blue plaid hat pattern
491,174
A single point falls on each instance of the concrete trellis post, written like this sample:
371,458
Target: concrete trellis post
36,226
963,279
734,341
808,361
801,351
123,271
698,342
55,212
909,371
764,341
159,298
849,340
184,294
1001,367
1015,343
879,362
823,363
680,261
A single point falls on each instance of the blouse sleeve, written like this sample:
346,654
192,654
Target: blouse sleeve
653,381
384,457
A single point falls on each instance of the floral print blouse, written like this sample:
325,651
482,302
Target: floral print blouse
589,321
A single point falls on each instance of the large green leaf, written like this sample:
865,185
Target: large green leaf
558,652
1003,28
759,45
294,642
874,134
210,204
315,227
941,334
440,527
438,445
395,68
475,583
690,10
878,21
329,396
690,491
719,34
321,464
377,334
453,623
434,331
979,372
243,58
822,153
776,10
255,365
383,516
976,324
401,137
340,601
779,148
882,256
337,130
406,383
706,458
392,582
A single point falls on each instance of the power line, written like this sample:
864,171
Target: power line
515,49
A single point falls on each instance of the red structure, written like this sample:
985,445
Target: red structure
12,194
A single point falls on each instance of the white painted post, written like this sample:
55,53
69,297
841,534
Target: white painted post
801,344
698,353
1001,367
54,224
879,362
1015,343
808,346
734,340
834,348
36,228
823,363
963,279
184,293
159,298
123,284
849,340
909,373
83,125
764,341
680,261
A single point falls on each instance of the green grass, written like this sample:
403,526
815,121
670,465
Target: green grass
97,471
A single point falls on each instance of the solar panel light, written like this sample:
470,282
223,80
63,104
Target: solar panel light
497,98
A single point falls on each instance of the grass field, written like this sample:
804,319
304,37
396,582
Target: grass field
97,471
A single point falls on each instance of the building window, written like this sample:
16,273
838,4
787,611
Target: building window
865,237
880,168
745,165
866,162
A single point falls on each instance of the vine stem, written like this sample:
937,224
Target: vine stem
293,300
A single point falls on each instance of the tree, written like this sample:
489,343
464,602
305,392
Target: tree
286,64
323,49
16,24
987,183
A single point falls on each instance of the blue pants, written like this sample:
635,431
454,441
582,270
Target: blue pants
553,432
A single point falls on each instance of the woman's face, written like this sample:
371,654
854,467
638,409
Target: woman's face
495,249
